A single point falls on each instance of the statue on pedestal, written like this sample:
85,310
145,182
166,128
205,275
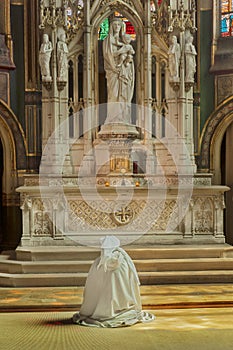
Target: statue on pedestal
174,59
62,61
119,68
44,58
190,59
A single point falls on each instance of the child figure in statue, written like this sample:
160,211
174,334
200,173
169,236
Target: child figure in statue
126,51
112,294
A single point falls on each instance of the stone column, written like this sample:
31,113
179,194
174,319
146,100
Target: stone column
180,92
88,158
147,91
55,91
147,72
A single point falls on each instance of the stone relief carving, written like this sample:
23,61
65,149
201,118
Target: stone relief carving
202,182
42,224
170,208
140,215
52,15
203,215
123,214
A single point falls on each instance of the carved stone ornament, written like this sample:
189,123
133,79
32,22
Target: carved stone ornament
175,85
47,85
42,224
122,215
188,86
61,85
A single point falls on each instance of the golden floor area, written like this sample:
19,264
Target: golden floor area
188,317
173,329
153,297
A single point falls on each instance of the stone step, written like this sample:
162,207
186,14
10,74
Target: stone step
78,279
25,267
56,253
69,265
200,264
148,265
42,280
87,253
186,277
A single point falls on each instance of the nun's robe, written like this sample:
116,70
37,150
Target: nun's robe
112,294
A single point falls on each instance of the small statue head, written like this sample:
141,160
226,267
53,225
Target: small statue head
174,39
45,38
116,25
63,37
126,38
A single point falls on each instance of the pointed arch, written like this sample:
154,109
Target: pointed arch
211,139
108,9
14,148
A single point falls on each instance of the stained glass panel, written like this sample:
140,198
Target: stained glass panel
226,18
104,27
227,5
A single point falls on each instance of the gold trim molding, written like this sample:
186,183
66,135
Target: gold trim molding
17,2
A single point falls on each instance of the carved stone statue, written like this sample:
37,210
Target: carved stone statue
119,68
174,59
62,61
190,59
44,58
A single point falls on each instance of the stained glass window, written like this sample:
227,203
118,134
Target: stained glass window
104,27
226,18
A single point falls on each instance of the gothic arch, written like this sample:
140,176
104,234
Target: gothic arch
211,139
9,157
124,9
137,21
11,134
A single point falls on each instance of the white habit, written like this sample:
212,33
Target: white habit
112,294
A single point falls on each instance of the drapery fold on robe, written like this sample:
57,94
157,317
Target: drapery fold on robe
112,294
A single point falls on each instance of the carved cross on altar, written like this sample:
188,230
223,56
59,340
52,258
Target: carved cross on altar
123,215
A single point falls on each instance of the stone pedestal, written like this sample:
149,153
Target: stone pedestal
118,131
113,149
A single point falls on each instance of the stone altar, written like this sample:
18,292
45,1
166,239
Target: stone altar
120,178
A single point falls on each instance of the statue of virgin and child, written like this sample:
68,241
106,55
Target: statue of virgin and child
119,69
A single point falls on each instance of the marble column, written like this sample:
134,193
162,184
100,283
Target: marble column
88,158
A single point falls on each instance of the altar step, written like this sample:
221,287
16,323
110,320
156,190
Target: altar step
69,266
